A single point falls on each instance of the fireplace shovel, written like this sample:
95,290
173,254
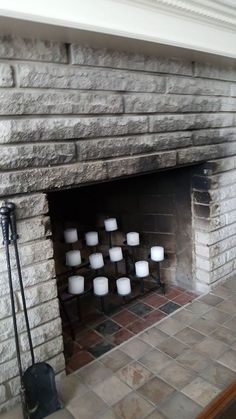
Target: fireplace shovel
38,388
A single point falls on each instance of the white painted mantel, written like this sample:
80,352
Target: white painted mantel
200,25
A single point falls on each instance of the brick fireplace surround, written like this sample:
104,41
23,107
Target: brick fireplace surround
72,115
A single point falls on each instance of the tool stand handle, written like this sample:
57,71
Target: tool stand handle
4,214
11,207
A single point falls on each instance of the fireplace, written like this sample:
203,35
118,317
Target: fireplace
89,133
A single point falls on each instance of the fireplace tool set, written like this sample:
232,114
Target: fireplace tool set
37,383
87,277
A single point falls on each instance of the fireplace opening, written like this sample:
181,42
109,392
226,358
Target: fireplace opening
159,207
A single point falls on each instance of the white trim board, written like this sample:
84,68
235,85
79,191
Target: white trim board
200,25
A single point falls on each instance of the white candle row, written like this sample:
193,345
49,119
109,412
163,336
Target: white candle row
100,285
71,235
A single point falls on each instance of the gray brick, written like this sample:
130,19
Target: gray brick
121,146
32,275
192,121
29,253
38,315
26,103
6,76
140,164
215,71
153,103
2,394
194,86
204,137
197,154
50,178
5,307
32,229
33,130
29,205
87,55
41,334
63,77
36,155
38,294
8,350
32,49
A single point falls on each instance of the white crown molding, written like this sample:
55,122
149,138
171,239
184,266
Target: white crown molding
219,12
198,25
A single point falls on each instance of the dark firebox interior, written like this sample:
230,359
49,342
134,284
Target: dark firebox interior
158,206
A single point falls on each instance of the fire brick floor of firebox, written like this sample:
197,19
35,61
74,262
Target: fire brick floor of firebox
100,333
170,370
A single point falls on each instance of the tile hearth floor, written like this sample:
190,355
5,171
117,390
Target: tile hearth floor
170,370
104,332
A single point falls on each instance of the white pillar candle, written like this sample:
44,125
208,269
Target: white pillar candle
132,238
100,285
110,224
73,258
115,254
76,284
70,235
141,268
123,286
96,260
157,253
91,238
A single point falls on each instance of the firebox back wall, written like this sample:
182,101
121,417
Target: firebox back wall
72,115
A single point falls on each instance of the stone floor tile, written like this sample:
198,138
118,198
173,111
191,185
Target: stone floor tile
155,360
115,360
228,359
155,300
231,323
133,406
230,284
137,326
211,347
124,318
108,327
79,360
172,293
154,317
70,387
185,317
14,413
170,326
183,299
198,308
176,375
134,374
211,299
156,415
135,348
153,336
89,406
60,414
204,326
109,414
193,360
169,307
119,337
225,335
100,348
201,391
111,390
178,406
227,306
172,347
88,338
217,315
189,336
94,373
218,375
156,390
222,292
140,309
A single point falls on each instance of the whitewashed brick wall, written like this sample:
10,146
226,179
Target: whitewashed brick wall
70,114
